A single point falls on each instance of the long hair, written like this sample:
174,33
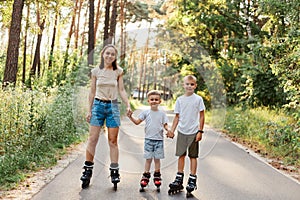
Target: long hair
114,63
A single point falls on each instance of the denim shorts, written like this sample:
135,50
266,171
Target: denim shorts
154,149
108,112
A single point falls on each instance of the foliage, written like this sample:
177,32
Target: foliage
34,125
137,11
255,45
274,133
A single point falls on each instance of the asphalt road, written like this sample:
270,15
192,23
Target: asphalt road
225,171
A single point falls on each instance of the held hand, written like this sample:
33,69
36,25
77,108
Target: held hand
170,134
129,113
198,137
88,117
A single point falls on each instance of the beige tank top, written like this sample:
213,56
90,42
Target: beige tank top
107,82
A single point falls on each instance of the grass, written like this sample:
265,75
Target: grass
273,132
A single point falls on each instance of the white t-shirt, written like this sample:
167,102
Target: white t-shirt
154,126
188,108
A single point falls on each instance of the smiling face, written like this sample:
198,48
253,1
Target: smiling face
109,56
154,101
189,85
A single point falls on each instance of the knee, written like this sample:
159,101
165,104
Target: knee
92,141
113,142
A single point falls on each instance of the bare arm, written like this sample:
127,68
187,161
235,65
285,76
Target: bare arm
92,94
123,93
166,127
201,125
175,122
174,125
169,134
134,120
202,120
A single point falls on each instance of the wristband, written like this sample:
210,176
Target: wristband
200,131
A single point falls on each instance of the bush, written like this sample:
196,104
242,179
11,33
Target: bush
276,132
34,124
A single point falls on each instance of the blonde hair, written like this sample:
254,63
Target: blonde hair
153,92
190,78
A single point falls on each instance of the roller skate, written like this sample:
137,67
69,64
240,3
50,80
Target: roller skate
115,176
157,180
86,174
144,181
176,186
191,186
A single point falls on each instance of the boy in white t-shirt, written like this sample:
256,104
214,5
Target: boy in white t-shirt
156,121
189,120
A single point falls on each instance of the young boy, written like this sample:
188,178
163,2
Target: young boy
156,121
189,120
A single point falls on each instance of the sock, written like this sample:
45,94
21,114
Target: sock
88,163
114,166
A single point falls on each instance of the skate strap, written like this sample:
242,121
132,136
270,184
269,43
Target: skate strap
88,166
179,176
193,177
114,168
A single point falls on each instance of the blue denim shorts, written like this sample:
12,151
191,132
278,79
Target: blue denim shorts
108,112
154,149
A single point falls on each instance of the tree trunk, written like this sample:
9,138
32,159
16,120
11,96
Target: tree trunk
35,69
11,66
79,7
63,73
53,42
98,16
25,45
144,66
122,37
113,22
91,37
142,63
106,23
84,31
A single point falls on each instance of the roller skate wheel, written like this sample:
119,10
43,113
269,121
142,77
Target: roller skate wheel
188,195
157,183
85,184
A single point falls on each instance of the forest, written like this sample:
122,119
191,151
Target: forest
244,53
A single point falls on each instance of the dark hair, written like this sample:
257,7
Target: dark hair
114,63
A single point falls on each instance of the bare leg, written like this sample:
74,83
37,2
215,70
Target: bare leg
92,142
157,165
193,167
113,144
148,164
181,161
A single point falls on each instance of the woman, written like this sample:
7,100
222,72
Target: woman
106,83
